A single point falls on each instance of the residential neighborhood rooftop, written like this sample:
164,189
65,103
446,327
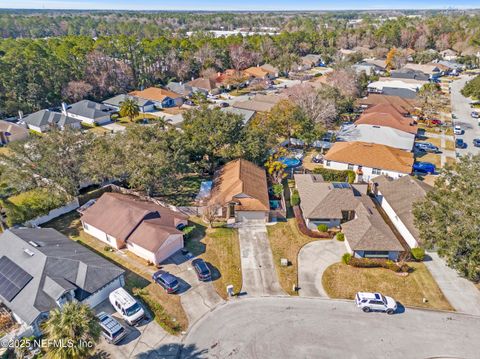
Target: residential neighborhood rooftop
155,94
387,115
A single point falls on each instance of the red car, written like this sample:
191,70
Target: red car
436,122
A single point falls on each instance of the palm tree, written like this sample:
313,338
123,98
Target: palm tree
129,108
76,326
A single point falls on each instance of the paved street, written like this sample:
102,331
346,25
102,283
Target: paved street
461,111
461,293
317,328
258,270
313,259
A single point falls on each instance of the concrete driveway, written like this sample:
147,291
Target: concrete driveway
283,327
313,259
258,271
462,110
460,292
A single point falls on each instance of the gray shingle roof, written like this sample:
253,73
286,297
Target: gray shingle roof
57,265
117,100
90,109
46,117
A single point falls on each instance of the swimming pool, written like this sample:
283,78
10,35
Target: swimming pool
290,162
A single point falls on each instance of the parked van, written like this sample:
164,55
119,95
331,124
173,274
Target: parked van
126,306
112,330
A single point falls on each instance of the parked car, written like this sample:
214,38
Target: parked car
369,302
224,104
476,142
460,143
426,146
168,281
457,130
424,167
201,267
436,122
125,305
112,330
475,114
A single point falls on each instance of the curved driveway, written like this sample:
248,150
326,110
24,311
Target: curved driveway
313,259
283,327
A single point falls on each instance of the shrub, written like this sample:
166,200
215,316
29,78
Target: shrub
378,263
346,258
295,198
418,254
303,228
335,175
340,237
277,189
322,228
188,231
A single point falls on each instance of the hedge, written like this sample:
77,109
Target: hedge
335,175
418,254
346,258
302,227
340,237
378,263
295,198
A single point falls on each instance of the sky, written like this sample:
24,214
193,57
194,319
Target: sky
238,4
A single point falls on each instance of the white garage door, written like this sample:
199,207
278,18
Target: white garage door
98,297
250,216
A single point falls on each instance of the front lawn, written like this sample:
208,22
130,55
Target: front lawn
220,247
343,281
434,158
167,309
286,241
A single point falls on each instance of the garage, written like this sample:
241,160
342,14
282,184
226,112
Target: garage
249,216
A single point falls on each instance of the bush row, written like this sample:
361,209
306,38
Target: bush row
374,263
335,175
303,228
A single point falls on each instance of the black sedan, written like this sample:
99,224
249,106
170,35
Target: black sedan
201,267
476,142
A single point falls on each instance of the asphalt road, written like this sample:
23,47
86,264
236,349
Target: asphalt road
462,110
317,328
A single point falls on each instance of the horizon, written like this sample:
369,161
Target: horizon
246,5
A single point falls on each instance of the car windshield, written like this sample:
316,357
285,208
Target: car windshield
172,283
133,309
384,300
203,268
118,332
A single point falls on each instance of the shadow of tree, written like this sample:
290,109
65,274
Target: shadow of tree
176,350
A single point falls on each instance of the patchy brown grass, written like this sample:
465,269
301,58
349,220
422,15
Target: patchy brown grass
286,241
220,247
434,158
449,145
167,309
343,281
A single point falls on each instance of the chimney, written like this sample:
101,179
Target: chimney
20,115
64,108
218,74
193,78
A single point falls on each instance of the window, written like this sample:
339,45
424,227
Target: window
351,167
376,171
327,163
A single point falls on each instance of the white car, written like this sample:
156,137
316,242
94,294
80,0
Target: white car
457,130
369,302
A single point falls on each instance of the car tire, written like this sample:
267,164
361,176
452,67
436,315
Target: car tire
390,311
366,309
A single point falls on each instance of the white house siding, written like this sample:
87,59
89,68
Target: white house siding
141,252
313,223
90,121
245,216
367,171
172,245
101,235
397,222
102,294
38,129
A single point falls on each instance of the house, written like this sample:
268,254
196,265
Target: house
449,54
347,206
41,269
144,105
397,198
400,92
44,120
272,70
240,192
402,105
258,72
161,98
454,68
310,61
259,103
89,112
382,124
11,132
369,160
204,85
408,84
247,115
432,70
371,66
146,229
407,73
180,88
231,78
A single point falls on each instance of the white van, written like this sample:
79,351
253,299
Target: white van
130,310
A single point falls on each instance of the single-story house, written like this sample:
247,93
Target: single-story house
272,70
240,192
311,60
204,85
258,72
146,229
454,67
89,112
369,69
231,78
347,206
402,105
41,269
431,69
247,115
397,198
407,73
44,120
11,132
144,105
409,84
180,88
405,93
369,160
259,103
161,98
449,54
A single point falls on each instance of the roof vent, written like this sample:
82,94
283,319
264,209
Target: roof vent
29,252
34,244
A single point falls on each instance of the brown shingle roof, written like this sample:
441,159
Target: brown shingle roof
203,83
402,105
371,155
386,115
368,231
401,194
241,177
122,215
256,71
155,94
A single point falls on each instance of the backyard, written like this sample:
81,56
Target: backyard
343,281
166,308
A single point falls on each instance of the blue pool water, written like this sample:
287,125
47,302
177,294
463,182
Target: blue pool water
290,162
